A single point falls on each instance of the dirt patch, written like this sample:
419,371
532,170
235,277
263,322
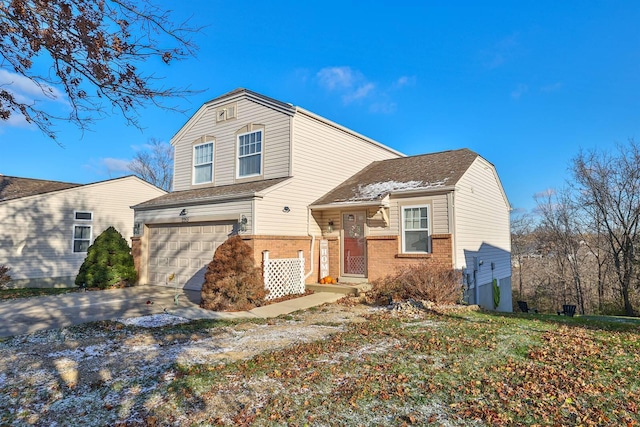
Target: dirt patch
98,374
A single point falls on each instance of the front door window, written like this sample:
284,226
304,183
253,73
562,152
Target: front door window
353,244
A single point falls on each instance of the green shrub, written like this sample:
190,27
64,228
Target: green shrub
109,262
4,276
423,281
232,281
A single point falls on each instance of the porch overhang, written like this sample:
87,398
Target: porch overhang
382,203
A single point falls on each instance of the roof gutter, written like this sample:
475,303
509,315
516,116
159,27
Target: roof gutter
355,204
203,201
418,191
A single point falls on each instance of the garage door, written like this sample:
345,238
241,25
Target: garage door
184,250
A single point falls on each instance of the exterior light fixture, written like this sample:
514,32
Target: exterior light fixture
243,223
183,212
330,226
286,209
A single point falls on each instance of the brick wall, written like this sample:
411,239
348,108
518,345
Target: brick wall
334,257
384,257
285,247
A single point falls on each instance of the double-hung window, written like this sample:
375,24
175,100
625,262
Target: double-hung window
250,154
415,229
82,232
203,163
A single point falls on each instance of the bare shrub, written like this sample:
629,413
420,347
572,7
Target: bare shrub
4,276
232,281
423,281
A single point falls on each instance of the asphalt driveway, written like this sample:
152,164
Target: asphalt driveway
28,315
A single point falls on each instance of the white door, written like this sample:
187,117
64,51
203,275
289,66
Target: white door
184,250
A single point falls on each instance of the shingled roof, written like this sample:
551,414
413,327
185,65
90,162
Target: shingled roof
12,187
423,172
210,194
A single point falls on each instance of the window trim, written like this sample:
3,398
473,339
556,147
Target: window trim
403,230
74,239
75,215
261,173
194,165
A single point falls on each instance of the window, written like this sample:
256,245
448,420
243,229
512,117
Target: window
203,163
81,238
415,229
83,216
250,154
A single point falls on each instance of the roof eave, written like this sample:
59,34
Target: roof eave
416,192
351,204
201,201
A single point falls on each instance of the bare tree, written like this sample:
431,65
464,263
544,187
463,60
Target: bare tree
155,164
522,248
560,218
609,186
94,51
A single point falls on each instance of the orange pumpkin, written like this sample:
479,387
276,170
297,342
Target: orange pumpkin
322,281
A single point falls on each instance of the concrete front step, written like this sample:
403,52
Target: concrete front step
341,288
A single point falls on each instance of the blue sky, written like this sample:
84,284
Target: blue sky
526,84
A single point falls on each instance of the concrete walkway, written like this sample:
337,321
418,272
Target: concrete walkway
29,315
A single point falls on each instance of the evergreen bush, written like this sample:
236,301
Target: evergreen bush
232,281
109,262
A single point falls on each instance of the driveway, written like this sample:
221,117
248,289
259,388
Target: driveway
28,315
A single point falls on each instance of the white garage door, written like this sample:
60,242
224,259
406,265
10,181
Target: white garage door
184,250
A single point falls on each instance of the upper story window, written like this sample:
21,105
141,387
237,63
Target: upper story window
203,163
250,154
415,229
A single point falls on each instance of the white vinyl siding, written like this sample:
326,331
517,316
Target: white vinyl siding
323,157
482,222
275,152
203,163
38,231
415,229
438,211
250,154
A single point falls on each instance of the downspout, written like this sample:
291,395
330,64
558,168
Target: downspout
313,245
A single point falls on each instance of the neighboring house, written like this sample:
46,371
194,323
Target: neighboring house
47,226
285,179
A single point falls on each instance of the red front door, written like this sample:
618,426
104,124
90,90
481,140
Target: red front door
354,257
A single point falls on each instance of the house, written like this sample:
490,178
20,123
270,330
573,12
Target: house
287,179
47,226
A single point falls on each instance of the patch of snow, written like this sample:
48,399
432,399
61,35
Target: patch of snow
154,320
80,353
379,189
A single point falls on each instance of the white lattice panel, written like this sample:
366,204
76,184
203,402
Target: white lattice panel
355,264
284,276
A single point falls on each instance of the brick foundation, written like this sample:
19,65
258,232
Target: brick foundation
383,253
285,247
384,257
